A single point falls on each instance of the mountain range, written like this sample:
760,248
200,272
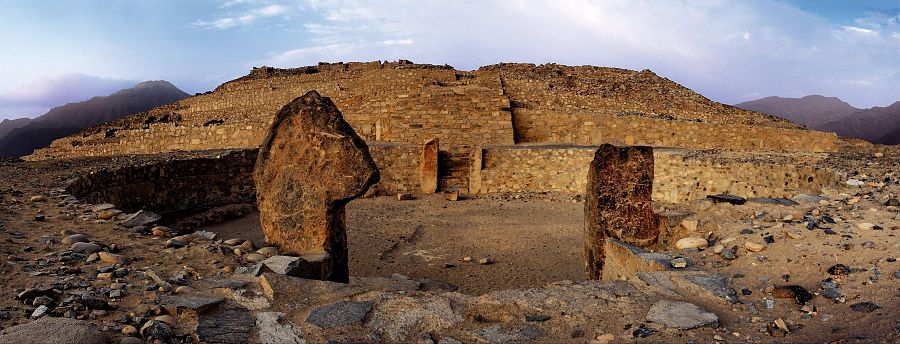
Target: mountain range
21,136
876,124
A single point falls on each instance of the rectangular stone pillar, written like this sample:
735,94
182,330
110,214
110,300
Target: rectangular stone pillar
617,203
428,166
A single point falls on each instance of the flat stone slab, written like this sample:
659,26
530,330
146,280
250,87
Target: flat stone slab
141,218
174,304
723,198
339,314
231,326
681,315
777,201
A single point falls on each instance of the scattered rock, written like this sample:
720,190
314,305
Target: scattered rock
451,195
729,253
157,330
681,315
800,295
339,313
141,218
839,270
679,263
691,243
35,199
754,247
893,202
404,196
85,248
485,261
110,258
854,182
865,307
40,311
865,226
69,240
268,252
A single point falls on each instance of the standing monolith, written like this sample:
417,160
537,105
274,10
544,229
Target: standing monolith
310,165
618,203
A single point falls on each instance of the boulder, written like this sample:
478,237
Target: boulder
681,315
141,218
617,205
310,165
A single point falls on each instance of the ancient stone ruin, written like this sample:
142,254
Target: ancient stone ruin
516,203
310,165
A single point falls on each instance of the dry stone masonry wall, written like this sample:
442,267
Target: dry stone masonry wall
398,106
680,176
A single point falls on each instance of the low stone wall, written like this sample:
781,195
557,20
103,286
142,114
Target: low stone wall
215,179
680,176
595,128
173,185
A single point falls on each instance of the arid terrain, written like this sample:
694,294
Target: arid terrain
529,240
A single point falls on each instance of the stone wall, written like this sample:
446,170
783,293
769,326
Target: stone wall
679,176
495,105
174,185
623,128
221,178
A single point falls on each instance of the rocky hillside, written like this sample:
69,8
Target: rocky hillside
811,111
877,124
22,136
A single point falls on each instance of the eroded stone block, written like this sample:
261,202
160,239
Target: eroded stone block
618,203
428,167
310,165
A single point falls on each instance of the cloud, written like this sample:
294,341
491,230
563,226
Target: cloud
40,95
723,49
242,18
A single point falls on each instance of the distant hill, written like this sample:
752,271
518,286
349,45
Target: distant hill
811,111
68,119
8,125
877,124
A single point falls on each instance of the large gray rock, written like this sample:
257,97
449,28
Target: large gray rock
310,165
141,218
174,304
681,315
274,330
231,326
339,314
49,330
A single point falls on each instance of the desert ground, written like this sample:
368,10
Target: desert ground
472,253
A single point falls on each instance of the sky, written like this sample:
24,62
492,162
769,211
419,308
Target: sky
55,52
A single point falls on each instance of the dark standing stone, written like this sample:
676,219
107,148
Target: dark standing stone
723,198
618,196
310,165
339,313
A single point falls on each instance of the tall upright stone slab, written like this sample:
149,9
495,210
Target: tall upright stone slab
617,203
310,165
428,166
